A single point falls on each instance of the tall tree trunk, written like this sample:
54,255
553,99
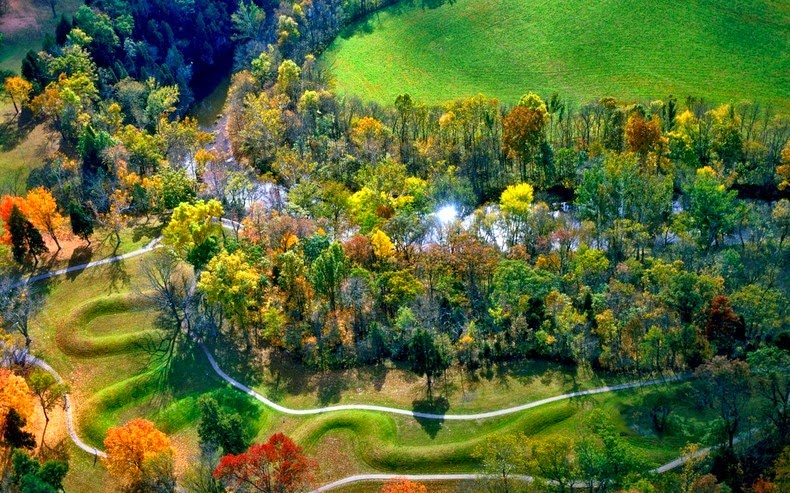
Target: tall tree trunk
55,239
46,424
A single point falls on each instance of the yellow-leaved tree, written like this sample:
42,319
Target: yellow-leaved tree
137,451
516,205
383,248
14,394
43,212
18,89
194,230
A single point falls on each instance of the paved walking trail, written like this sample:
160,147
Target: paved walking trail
40,277
406,412
357,407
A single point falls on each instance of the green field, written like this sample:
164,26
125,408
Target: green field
628,49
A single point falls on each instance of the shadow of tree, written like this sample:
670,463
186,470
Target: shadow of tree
286,376
146,230
117,275
439,405
81,255
435,4
330,388
14,131
247,367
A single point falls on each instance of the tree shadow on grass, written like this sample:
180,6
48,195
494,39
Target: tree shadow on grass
286,376
15,130
246,367
145,230
438,406
331,387
117,275
81,256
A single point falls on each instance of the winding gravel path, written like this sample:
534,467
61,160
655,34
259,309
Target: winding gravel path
40,277
357,407
67,406
361,478
415,414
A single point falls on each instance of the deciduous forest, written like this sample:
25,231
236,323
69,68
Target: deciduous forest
322,248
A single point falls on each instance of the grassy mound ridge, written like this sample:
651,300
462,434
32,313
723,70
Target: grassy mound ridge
113,325
396,444
629,49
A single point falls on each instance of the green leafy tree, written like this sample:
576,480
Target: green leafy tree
425,357
501,457
553,460
194,227
14,434
712,208
30,476
249,22
770,367
81,222
727,386
219,428
50,393
329,271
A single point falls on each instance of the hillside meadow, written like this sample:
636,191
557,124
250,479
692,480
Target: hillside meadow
628,49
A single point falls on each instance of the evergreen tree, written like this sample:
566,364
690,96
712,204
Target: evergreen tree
25,238
81,222
14,434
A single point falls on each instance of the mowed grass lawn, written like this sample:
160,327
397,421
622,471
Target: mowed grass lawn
628,49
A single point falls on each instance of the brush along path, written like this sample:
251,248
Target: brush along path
361,478
67,406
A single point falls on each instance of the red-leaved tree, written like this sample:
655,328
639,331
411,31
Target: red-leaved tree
277,466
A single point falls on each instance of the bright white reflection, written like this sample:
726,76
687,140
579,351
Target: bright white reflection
446,214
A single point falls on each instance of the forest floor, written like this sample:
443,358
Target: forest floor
24,142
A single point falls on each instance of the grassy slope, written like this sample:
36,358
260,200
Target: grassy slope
25,26
24,147
92,329
630,49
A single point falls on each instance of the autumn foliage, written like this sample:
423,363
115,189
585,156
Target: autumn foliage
403,485
7,204
130,447
643,135
43,212
14,394
279,465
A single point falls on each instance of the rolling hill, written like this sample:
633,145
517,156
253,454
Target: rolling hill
629,49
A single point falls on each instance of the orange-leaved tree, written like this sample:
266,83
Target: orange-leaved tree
403,485
133,449
7,204
275,466
14,394
43,212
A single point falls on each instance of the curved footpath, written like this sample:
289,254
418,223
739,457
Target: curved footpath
67,406
348,407
406,412
40,277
